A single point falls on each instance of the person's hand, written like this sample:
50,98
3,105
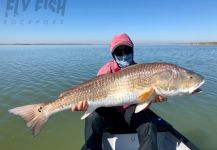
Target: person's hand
159,98
81,106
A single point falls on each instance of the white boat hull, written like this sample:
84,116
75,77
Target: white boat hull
165,141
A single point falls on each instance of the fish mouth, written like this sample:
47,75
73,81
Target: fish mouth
196,89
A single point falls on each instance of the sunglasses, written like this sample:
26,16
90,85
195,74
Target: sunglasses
123,51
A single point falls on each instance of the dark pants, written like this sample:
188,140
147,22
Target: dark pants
108,119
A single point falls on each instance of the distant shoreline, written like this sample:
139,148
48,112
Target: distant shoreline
204,43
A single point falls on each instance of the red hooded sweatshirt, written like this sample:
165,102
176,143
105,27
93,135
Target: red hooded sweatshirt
111,66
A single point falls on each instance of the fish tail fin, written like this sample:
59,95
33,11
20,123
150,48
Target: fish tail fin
34,116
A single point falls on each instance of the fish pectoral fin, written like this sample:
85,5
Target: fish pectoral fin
145,99
88,112
145,95
143,106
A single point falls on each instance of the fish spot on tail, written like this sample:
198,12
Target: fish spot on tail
40,109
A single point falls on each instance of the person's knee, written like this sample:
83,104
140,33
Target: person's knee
94,127
128,114
147,134
92,117
96,122
147,129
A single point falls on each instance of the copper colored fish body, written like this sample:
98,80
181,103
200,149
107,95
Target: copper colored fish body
137,84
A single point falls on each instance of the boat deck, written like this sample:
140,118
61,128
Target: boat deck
168,138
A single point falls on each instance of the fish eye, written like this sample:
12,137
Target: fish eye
191,77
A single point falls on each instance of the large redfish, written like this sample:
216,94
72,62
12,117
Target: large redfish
137,84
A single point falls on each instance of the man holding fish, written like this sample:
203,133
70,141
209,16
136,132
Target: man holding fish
120,118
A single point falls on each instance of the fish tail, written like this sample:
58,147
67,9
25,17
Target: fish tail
34,116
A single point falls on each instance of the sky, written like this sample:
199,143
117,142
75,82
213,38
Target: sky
97,21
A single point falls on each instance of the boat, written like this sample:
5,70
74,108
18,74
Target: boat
168,138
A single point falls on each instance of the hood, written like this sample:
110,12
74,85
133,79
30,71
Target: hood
120,39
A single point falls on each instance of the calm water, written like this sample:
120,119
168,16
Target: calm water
34,74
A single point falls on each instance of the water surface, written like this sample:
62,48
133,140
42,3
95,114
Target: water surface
35,74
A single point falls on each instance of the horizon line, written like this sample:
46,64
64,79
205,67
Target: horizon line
193,43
